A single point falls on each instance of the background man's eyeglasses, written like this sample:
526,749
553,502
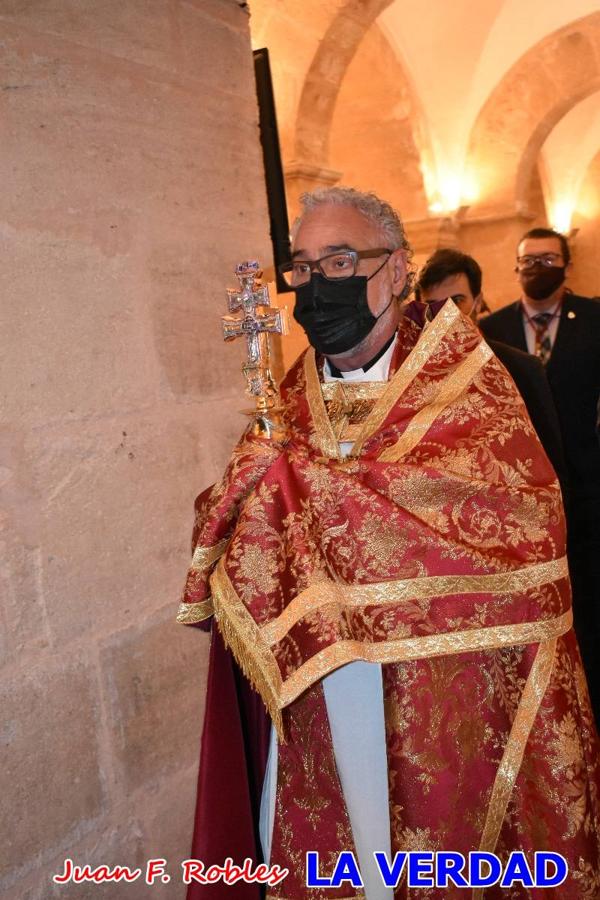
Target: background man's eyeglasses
334,266
546,259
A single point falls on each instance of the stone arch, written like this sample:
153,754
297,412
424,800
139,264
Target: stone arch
377,135
548,80
325,75
531,154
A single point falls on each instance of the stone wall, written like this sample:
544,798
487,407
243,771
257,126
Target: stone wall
132,184
585,275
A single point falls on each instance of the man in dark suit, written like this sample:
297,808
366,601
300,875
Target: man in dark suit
563,330
449,273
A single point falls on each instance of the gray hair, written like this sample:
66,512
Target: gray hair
378,211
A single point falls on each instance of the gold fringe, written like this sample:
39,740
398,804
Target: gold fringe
240,633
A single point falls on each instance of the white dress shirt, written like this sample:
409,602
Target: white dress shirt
532,310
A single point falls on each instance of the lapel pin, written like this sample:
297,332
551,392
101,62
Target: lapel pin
570,314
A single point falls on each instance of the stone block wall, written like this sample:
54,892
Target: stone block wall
585,275
131,185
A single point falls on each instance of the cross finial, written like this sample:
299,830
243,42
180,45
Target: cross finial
255,326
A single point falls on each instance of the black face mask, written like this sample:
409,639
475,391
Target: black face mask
335,314
541,281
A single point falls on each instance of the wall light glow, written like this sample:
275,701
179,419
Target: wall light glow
451,191
561,214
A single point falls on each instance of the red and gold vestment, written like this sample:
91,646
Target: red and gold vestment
437,548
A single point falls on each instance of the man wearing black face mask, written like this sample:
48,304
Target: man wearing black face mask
563,330
392,580
349,276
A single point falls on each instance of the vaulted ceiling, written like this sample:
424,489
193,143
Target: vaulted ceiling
466,104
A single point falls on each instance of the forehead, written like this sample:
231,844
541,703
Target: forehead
449,287
332,225
538,246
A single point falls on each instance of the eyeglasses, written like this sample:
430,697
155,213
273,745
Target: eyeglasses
546,259
334,266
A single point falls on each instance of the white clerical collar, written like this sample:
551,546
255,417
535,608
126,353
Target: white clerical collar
379,371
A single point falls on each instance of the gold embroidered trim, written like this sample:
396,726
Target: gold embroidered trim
205,556
258,662
279,897
446,644
348,432
510,764
348,405
452,387
353,390
323,593
192,613
431,337
360,896
327,440
241,633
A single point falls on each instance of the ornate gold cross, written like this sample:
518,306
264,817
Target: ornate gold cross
256,326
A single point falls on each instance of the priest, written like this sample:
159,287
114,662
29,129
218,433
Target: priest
391,581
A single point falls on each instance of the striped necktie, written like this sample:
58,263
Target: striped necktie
543,343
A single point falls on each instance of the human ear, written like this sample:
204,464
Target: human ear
398,266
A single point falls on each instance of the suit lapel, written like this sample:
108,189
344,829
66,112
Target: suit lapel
516,329
565,335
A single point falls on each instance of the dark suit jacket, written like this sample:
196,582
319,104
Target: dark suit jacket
528,374
573,374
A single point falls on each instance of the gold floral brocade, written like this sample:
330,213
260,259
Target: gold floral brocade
258,659
358,570
512,757
324,593
450,390
432,336
203,559
437,549
325,433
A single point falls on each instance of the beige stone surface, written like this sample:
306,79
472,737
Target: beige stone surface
132,184
585,276
23,615
152,677
167,37
151,823
525,106
373,129
122,844
121,491
52,787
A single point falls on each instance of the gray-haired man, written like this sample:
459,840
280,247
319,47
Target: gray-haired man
393,582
